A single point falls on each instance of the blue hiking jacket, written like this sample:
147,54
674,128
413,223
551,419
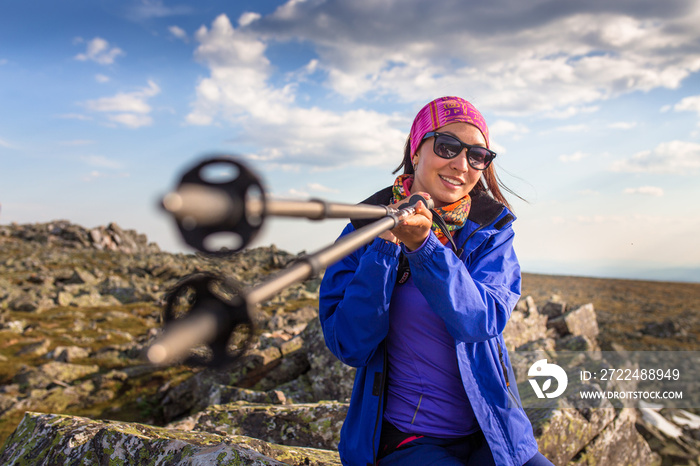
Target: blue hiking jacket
474,295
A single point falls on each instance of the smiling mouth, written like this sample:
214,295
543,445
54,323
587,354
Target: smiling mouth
451,181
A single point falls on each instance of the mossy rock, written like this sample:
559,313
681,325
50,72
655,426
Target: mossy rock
58,439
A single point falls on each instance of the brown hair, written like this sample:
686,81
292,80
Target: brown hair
493,182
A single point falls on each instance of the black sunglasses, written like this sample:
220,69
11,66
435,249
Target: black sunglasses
449,147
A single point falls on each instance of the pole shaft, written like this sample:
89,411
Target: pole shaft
326,256
317,210
211,206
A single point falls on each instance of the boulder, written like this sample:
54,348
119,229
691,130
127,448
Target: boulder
554,308
57,439
526,324
314,425
619,444
562,430
327,377
581,321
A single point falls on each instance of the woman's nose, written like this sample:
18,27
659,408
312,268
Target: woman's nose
460,162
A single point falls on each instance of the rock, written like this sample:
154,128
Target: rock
561,430
619,444
81,277
576,343
66,372
581,321
554,309
16,326
38,348
67,353
667,329
29,378
314,425
24,303
525,326
64,299
74,440
328,378
7,402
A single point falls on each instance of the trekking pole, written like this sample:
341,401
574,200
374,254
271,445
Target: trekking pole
234,208
218,306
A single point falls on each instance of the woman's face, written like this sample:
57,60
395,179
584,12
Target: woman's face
447,180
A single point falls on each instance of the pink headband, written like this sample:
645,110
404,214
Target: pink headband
441,112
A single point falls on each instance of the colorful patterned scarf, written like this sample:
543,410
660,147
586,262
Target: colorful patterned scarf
455,214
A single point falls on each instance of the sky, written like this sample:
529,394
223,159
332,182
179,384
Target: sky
593,109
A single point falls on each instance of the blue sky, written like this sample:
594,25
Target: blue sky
593,107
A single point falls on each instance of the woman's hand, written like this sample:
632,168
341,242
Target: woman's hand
415,229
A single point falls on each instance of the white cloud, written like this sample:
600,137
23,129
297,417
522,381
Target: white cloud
147,9
131,120
77,142
3,61
645,190
74,116
101,78
127,108
293,194
623,125
575,157
689,104
320,188
676,157
502,128
553,61
99,51
589,192
4,143
567,129
178,32
573,110
100,161
248,18
96,174
238,90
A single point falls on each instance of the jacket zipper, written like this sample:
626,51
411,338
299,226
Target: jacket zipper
505,376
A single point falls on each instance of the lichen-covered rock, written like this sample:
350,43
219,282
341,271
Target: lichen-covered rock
45,439
66,372
563,429
314,425
329,378
619,444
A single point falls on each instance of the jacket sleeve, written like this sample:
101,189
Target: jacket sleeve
354,301
474,300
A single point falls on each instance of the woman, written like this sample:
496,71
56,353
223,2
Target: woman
420,311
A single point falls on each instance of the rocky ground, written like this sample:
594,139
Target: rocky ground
78,307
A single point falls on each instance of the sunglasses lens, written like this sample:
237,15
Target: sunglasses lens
480,158
447,147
